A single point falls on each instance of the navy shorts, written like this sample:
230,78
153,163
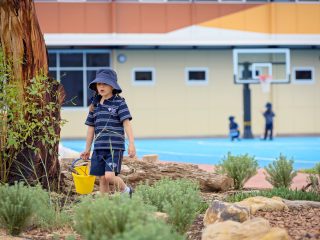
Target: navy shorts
104,161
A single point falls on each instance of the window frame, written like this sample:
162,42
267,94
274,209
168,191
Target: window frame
84,68
303,81
196,82
143,83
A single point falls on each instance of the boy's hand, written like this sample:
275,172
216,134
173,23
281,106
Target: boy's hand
131,150
85,155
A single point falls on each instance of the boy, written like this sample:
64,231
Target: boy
108,119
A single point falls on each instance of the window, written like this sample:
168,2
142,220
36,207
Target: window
143,76
303,75
75,69
196,76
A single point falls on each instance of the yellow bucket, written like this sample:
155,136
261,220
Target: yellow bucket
83,182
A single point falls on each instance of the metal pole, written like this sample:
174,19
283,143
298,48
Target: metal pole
247,133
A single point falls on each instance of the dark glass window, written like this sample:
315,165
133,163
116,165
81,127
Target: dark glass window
73,72
304,75
53,74
143,76
197,76
98,59
52,59
72,82
71,59
90,76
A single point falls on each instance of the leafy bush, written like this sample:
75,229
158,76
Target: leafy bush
313,179
105,217
317,168
16,207
280,172
180,199
21,205
279,192
48,213
240,168
152,230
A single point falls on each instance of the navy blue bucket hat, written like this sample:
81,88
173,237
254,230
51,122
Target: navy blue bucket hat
106,76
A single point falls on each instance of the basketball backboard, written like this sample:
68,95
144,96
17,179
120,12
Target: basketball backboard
250,64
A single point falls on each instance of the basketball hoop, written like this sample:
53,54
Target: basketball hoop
265,81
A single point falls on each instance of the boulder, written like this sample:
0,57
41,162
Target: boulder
144,171
221,211
263,203
135,171
152,158
254,229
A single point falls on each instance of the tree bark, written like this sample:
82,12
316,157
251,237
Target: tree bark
22,43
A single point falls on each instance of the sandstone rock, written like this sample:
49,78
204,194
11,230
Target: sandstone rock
143,171
276,234
301,203
135,171
221,211
125,169
150,158
161,215
263,203
254,229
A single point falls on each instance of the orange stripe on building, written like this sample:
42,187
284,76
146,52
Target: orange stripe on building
272,18
128,17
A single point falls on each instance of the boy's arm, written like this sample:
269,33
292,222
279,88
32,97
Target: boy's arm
129,132
89,139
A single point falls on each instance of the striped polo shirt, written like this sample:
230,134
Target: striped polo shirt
107,120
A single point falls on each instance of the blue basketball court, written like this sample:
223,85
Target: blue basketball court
305,151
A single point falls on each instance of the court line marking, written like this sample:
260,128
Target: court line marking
213,156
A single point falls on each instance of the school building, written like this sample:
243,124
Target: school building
182,64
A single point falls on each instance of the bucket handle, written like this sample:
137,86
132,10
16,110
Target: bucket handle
71,168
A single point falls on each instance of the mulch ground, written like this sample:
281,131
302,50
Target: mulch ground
302,223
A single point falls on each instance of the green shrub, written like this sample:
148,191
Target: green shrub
151,231
307,170
280,172
16,207
21,205
240,168
180,199
105,217
279,192
49,214
317,169
313,179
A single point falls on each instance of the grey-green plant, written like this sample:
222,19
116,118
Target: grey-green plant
279,192
50,213
280,173
313,179
180,199
155,230
107,216
238,167
22,205
23,121
16,207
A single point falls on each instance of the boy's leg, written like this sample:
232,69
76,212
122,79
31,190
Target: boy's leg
117,182
104,185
